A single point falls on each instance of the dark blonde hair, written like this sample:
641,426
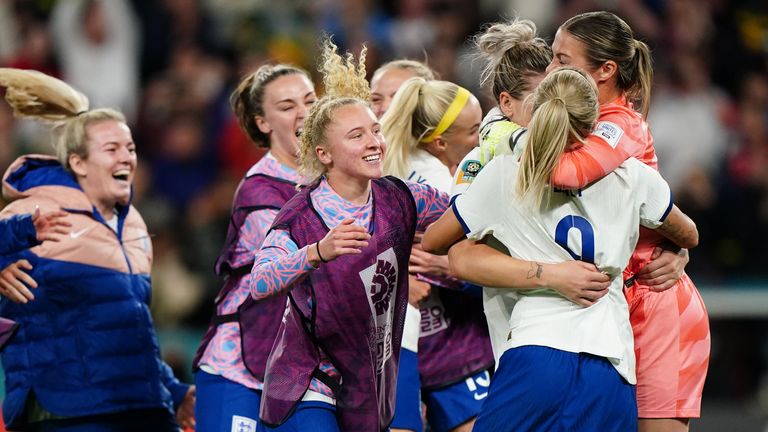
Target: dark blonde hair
418,68
345,84
414,113
607,37
39,96
565,109
513,52
247,100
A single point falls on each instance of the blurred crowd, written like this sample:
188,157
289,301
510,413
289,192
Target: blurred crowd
171,64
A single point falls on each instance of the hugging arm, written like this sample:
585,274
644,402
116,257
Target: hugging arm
577,281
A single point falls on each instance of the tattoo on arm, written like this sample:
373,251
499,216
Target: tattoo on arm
676,232
535,271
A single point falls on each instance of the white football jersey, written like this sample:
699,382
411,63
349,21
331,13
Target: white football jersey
598,224
424,168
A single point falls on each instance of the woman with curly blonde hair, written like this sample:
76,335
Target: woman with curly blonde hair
340,249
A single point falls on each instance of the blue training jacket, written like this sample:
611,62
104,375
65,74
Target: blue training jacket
86,344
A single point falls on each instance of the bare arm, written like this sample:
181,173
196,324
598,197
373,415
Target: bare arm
442,234
577,281
668,264
680,229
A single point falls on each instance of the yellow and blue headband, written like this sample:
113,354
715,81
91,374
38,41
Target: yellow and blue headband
461,98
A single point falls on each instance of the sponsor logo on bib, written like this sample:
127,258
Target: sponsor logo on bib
380,280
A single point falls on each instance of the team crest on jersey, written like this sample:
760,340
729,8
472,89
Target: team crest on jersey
610,132
380,280
469,171
243,424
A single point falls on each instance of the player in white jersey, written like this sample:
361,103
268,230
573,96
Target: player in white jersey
569,359
430,127
516,61
386,81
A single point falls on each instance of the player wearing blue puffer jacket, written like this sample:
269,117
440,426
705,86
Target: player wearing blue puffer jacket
85,356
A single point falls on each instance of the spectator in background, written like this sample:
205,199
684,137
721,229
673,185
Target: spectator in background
684,99
691,156
167,25
35,51
97,45
743,209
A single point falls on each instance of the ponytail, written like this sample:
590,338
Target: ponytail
640,90
549,136
41,97
565,109
419,112
397,128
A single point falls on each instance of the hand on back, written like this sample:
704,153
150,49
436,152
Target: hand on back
578,281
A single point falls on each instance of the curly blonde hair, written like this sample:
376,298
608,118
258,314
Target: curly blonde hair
39,96
345,84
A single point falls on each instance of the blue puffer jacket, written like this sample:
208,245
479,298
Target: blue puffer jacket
86,344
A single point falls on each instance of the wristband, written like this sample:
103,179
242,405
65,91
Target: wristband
317,246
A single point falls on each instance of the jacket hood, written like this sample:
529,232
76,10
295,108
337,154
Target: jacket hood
32,171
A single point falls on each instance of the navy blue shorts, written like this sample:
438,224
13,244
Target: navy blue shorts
309,416
456,404
408,398
224,405
538,388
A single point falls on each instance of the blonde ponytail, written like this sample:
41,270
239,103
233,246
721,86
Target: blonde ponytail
565,109
397,128
39,96
414,116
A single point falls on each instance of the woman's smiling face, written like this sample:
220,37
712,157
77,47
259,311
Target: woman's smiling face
106,173
354,146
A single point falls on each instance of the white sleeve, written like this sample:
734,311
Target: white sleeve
478,208
466,172
654,197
